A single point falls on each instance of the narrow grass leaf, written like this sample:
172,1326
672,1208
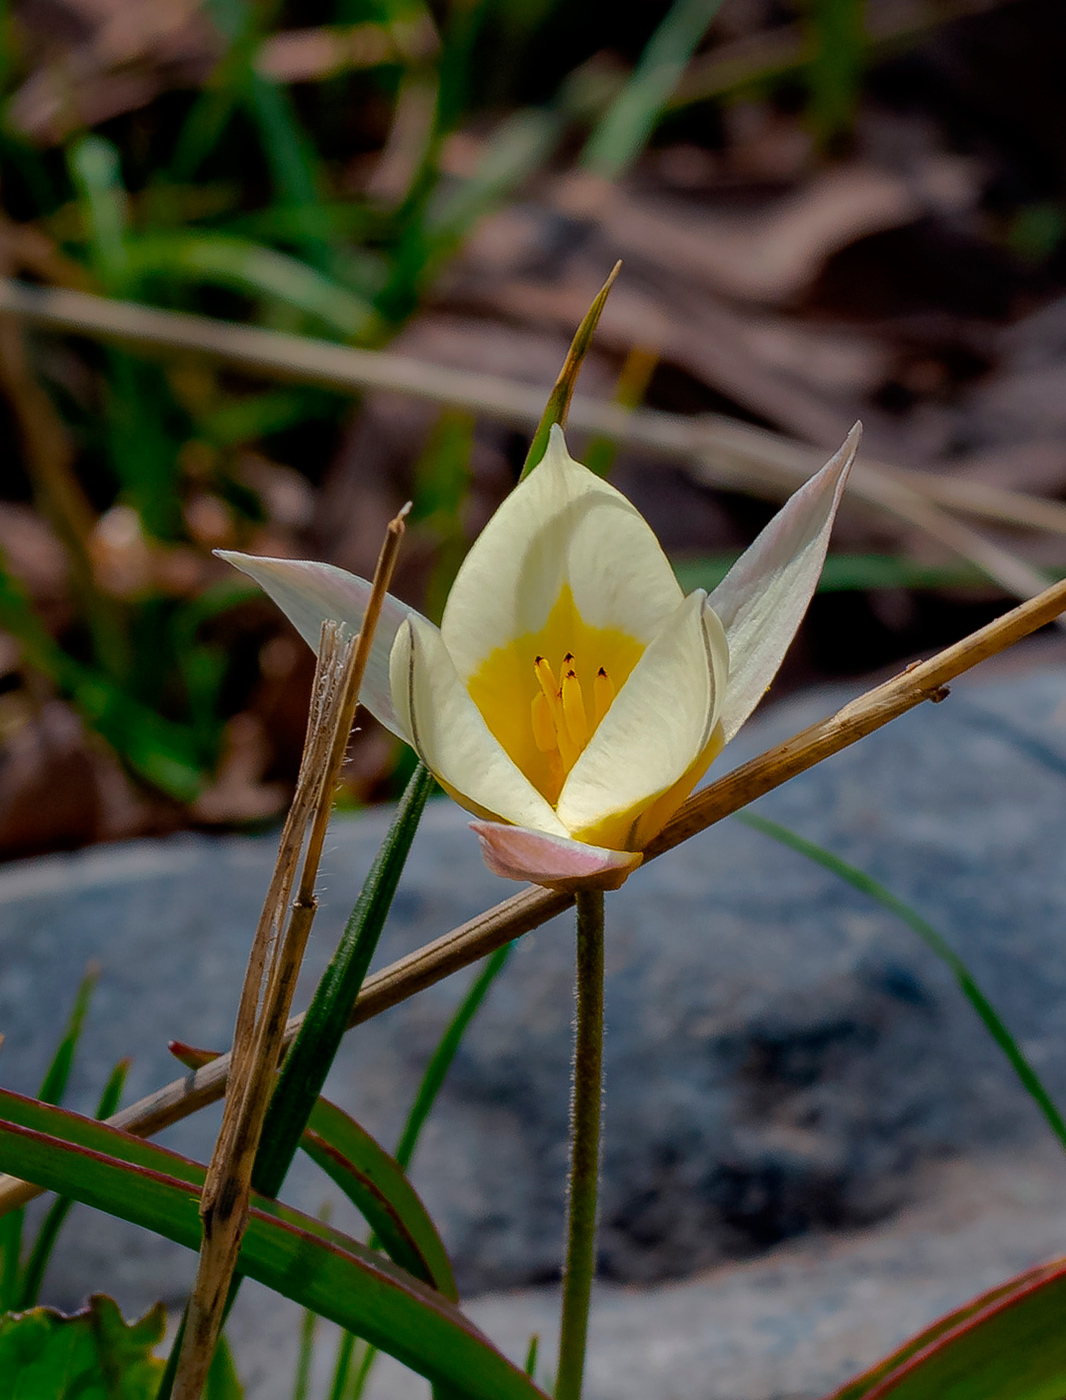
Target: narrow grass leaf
1006,1344
37,1263
305,1355
312,1053
933,940
623,131
376,1185
227,260
223,1382
57,1076
445,1054
558,404
312,1263
430,1087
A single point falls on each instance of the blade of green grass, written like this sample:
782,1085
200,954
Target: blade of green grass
558,404
33,1274
312,1263
432,1080
223,1383
375,1183
445,1054
933,940
96,174
307,1063
13,1282
164,753
623,131
834,76
57,1076
227,260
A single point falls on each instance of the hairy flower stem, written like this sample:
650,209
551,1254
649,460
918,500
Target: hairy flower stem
585,1145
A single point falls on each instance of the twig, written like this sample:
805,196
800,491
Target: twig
532,907
722,450
270,980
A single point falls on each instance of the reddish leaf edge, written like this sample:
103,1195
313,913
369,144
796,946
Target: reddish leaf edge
182,1177
430,1266
885,1375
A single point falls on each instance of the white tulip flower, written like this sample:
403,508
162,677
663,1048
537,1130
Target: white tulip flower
572,696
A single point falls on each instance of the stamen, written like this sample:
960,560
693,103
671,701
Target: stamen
574,710
568,750
602,694
546,678
543,726
553,698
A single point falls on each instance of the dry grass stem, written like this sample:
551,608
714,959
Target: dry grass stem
720,450
531,907
270,979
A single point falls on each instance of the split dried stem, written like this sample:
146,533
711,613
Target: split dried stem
270,980
719,450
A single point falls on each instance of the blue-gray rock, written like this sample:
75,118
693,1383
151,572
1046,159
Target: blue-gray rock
781,1053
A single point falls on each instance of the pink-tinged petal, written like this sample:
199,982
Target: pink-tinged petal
761,601
518,853
308,593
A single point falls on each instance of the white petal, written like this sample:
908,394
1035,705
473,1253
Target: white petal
562,525
308,593
660,722
447,731
517,853
762,599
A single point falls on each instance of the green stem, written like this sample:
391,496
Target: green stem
585,1146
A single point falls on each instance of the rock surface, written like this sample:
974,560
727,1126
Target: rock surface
792,1324
783,1056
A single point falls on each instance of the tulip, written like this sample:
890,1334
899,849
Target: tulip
573,696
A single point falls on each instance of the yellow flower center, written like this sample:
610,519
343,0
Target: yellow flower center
545,693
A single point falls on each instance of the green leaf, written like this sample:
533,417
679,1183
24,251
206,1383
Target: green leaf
58,1075
445,1053
1006,1344
96,172
226,260
558,404
159,750
623,132
835,73
223,1383
33,1274
933,940
376,1185
312,1263
427,1093
312,1053
90,1355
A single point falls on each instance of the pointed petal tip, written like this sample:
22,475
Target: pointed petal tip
556,862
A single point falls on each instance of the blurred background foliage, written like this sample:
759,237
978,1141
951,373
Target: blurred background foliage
827,209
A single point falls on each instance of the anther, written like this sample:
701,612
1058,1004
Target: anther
602,694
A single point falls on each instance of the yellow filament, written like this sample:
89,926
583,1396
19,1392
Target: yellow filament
602,696
543,725
577,724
